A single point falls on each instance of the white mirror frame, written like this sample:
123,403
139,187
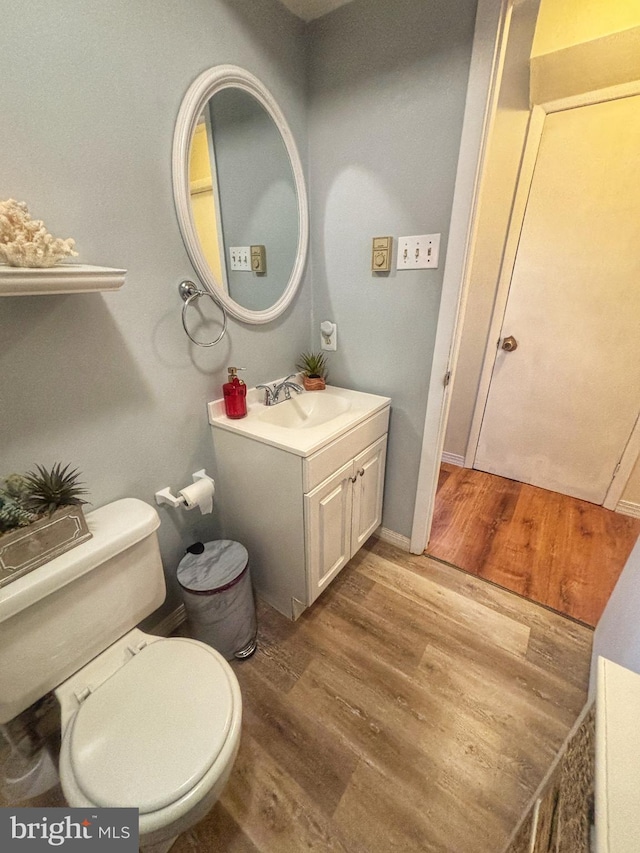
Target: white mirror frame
203,87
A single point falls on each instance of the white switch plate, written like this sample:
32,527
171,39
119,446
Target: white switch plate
240,258
418,253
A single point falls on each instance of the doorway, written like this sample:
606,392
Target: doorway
558,418
563,393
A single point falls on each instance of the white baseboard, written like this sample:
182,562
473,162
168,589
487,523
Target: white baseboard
170,622
453,459
393,538
628,508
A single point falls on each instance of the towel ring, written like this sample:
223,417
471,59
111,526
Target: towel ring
188,291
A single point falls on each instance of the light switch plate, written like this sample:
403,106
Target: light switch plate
240,258
419,252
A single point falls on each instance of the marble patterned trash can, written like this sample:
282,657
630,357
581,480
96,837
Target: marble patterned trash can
218,598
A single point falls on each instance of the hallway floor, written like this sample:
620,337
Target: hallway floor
564,553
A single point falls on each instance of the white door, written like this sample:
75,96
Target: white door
561,407
368,487
327,511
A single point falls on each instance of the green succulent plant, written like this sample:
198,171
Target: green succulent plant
47,490
313,364
13,512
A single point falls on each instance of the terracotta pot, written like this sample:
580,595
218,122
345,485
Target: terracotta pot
313,383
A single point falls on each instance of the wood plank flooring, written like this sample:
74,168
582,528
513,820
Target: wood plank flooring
559,551
413,707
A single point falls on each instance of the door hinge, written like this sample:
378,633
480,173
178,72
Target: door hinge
447,378
615,470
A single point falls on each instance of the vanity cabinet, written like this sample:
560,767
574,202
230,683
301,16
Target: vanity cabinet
301,515
341,514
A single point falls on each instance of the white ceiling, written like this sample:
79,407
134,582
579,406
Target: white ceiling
310,9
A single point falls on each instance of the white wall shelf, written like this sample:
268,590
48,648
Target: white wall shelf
63,278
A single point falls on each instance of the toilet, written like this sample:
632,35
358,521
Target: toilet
146,722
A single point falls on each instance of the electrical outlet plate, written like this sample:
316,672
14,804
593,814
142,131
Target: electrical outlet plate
419,252
240,258
328,336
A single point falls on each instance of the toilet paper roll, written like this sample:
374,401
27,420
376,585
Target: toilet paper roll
200,494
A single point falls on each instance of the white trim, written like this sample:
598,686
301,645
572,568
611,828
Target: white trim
624,470
487,60
204,87
597,96
393,538
516,221
170,622
628,508
453,459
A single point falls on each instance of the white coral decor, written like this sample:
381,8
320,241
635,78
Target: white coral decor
25,242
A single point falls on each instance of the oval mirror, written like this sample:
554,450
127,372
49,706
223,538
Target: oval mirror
240,195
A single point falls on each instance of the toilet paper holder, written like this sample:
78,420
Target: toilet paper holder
164,496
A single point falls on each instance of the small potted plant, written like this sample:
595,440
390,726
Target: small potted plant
313,366
41,517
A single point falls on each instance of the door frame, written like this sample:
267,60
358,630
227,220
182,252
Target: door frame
487,61
537,118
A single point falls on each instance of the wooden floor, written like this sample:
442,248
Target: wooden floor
413,707
562,552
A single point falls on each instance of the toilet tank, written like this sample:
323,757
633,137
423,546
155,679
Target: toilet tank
61,615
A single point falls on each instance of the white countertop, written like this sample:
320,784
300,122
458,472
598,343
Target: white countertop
304,441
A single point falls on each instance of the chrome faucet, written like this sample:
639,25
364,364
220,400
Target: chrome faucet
272,392
269,394
288,386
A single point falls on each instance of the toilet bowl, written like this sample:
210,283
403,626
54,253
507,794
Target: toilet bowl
152,724
146,722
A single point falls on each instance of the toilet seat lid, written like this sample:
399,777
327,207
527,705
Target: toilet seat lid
149,734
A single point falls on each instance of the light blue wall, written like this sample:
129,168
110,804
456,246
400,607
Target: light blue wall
88,100
89,95
387,93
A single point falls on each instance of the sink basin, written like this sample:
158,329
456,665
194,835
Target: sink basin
305,423
305,411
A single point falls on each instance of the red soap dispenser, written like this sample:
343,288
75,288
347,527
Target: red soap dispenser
235,394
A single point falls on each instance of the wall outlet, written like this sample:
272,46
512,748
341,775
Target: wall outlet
418,253
328,336
240,258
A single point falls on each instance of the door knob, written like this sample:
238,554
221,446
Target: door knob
509,344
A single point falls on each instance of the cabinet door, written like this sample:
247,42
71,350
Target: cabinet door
327,511
367,493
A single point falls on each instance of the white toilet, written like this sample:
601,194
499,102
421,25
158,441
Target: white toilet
147,722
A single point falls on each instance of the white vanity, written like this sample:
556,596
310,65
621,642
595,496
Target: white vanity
300,484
